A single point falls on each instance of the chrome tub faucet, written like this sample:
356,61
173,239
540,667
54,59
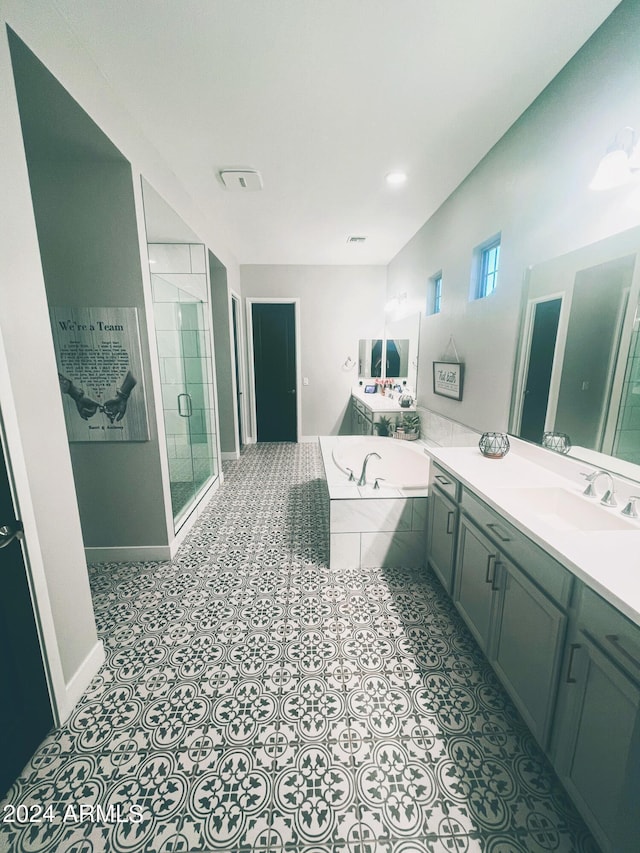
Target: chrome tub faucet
363,476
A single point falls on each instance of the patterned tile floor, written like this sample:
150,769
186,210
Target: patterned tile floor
254,700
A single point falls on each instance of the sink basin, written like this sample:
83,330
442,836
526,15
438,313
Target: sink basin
566,510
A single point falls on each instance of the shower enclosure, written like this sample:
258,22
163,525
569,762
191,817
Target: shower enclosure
182,321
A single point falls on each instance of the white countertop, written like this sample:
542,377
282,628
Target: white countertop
607,561
380,402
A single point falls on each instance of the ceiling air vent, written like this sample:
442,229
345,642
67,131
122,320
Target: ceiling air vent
354,239
240,180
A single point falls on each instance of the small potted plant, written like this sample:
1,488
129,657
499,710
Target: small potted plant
384,426
408,426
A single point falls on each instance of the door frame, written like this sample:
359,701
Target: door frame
239,386
558,357
284,300
62,697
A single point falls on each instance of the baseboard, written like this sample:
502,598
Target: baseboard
129,554
308,439
82,678
230,455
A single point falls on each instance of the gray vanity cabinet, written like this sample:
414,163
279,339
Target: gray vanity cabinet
530,630
442,525
596,743
474,592
513,598
361,418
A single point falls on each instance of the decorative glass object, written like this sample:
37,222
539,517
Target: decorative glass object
558,441
494,445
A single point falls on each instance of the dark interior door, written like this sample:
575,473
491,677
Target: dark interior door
543,345
236,366
274,354
25,708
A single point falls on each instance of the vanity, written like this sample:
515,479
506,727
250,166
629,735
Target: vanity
368,409
548,583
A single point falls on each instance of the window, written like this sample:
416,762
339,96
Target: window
434,300
489,261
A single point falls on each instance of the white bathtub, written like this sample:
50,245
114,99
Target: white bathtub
401,466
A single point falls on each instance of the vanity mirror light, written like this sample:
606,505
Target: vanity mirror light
578,366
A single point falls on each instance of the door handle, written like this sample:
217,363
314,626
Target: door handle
498,532
491,560
8,534
293,391
573,649
450,522
188,409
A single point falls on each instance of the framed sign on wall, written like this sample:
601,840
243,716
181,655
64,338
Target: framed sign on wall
100,373
447,379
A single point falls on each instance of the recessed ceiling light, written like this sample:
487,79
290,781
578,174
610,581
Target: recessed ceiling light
396,178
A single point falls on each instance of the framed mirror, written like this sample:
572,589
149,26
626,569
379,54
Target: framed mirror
578,366
400,349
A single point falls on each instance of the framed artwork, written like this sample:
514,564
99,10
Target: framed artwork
100,373
447,379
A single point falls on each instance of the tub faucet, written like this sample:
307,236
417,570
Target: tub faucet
363,476
609,497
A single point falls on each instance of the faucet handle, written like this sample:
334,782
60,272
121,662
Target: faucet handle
590,477
609,498
630,509
376,485
352,479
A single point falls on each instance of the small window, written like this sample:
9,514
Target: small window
489,261
434,300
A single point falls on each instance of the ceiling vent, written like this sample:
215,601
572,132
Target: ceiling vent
354,239
240,180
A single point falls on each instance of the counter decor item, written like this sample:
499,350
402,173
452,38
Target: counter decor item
384,426
558,441
494,445
408,428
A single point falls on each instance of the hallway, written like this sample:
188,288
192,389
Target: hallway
253,700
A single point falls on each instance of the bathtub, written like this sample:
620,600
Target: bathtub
401,466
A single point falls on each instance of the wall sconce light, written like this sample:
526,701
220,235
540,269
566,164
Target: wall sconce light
619,164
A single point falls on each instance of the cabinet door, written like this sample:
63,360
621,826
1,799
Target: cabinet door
475,576
597,745
354,418
528,650
441,537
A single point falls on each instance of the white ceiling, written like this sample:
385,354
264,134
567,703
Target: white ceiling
324,97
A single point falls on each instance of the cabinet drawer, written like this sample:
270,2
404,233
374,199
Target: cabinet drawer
444,481
616,635
548,574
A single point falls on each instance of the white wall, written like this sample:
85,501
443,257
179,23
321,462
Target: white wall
532,187
338,306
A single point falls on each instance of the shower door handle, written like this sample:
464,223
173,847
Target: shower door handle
187,410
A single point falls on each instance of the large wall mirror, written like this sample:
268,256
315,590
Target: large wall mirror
395,356
578,370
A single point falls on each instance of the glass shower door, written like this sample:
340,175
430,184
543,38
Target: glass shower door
186,372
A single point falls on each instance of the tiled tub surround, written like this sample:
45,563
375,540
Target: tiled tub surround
255,701
373,527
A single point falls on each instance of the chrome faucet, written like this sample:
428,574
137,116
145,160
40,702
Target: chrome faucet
363,476
609,497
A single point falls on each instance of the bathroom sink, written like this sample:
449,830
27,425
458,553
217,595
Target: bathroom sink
566,510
